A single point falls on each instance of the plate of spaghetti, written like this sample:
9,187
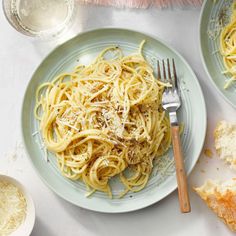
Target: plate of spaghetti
217,43
94,127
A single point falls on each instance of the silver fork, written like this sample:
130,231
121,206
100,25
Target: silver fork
171,102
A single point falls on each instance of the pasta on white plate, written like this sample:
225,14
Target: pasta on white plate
104,118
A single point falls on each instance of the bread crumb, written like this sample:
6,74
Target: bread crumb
208,153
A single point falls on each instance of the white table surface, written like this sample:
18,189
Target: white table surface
19,57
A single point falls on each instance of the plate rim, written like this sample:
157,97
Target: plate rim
200,44
144,204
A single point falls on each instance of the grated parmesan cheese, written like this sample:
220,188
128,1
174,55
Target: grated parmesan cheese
12,208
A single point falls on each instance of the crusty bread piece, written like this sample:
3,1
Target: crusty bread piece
225,142
220,196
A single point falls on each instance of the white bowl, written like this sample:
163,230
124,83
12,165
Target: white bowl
27,226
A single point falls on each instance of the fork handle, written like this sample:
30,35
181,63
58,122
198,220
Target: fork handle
180,171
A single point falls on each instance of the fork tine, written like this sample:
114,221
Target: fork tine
169,73
158,71
164,70
175,75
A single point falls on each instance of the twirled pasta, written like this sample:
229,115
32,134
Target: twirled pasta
104,118
228,46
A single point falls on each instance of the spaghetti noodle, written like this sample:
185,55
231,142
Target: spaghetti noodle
228,47
103,119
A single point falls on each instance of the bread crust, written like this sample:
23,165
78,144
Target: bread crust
222,203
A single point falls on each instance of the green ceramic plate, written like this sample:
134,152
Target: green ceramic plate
209,44
84,48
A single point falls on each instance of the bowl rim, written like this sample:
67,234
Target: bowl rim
28,224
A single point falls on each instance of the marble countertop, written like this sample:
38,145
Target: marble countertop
19,57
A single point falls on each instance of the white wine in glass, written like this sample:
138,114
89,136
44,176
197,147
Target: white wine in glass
39,18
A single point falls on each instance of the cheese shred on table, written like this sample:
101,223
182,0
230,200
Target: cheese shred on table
12,208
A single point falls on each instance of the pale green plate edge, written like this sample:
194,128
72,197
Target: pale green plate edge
122,209
207,58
